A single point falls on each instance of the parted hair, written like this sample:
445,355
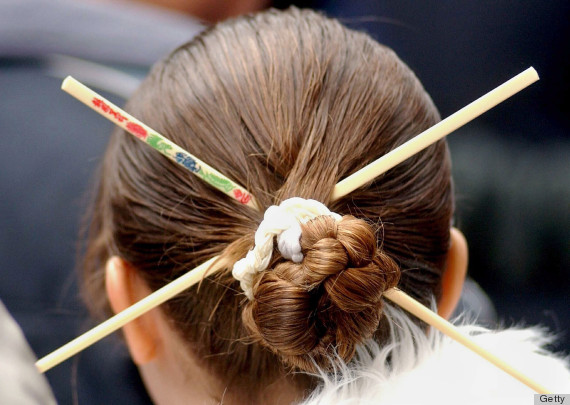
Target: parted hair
286,104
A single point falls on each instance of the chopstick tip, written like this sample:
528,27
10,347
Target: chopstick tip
534,72
66,82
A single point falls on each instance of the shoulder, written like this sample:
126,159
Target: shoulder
20,381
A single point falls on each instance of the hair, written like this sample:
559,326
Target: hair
286,104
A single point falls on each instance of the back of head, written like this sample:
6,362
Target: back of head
286,104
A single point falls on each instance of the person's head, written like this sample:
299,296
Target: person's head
286,104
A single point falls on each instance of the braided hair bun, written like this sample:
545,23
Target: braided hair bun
311,312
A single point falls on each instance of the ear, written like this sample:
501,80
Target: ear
454,274
124,288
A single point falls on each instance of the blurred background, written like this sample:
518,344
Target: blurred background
511,165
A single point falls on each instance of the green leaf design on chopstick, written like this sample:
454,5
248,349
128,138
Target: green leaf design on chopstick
217,181
158,143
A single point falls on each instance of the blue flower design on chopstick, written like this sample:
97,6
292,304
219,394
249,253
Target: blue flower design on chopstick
187,162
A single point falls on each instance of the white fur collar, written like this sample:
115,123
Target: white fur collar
426,369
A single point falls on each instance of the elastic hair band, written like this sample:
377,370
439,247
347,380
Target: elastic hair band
284,222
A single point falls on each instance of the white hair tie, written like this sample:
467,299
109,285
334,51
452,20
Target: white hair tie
283,221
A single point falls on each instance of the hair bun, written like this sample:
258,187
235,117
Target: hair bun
331,300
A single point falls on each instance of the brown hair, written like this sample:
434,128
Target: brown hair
286,104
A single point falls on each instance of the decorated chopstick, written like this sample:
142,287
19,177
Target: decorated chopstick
397,296
157,141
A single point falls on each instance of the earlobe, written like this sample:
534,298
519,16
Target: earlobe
454,274
125,288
